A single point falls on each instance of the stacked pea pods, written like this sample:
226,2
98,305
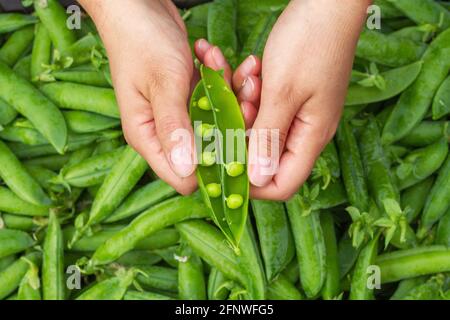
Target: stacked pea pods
371,222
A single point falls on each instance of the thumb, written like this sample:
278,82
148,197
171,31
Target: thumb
173,126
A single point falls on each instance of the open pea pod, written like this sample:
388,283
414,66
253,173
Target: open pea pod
221,147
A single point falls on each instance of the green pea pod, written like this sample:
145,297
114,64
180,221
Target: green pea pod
10,22
441,103
432,289
347,254
405,286
89,172
7,113
410,263
352,168
82,98
397,80
414,198
143,198
169,255
217,285
415,101
140,295
21,223
424,12
334,195
28,101
426,133
11,203
359,288
138,258
423,33
388,50
282,289
310,245
275,237
222,15
54,18
53,280
51,162
11,277
421,163
19,180
113,288
23,68
256,41
44,176
29,288
16,45
14,241
86,77
42,52
331,288
16,133
388,10
150,221
80,52
228,201
5,262
162,278
438,200
443,230
191,280
291,272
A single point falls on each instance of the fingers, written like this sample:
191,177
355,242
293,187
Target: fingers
249,111
140,132
212,57
251,66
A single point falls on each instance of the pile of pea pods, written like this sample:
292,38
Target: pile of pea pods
82,216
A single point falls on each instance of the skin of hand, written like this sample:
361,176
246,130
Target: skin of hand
153,74
305,79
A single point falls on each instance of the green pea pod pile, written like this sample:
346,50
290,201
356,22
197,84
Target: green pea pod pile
82,216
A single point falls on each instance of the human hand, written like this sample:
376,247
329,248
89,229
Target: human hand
305,70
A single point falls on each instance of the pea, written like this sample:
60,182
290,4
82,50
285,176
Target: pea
235,169
208,158
203,103
214,190
204,130
234,201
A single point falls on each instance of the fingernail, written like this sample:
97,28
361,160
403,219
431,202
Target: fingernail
202,44
248,88
218,57
248,65
181,158
259,174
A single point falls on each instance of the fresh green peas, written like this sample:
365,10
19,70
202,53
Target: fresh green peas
214,190
234,201
10,22
16,45
204,104
208,158
204,130
234,169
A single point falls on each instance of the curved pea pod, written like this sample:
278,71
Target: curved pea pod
34,106
156,277
410,263
11,277
16,132
54,17
423,33
413,199
145,295
388,50
10,22
19,180
334,195
42,52
113,288
424,12
415,101
256,41
53,280
143,198
359,288
331,288
191,279
441,102
11,203
282,289
421,163
397,80
214,104
16,45
310,246
89,172
217,288
443,230
426,133
438,200
80,52
352,167
14,241
275,236
86,76
22,223
7,113
222,18
158,217
30,286
82,98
